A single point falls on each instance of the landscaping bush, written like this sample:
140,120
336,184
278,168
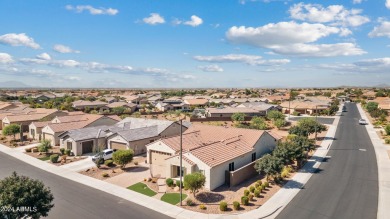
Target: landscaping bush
252,189
387,129
246,192
257,193
105,175
136,163
284,174
62,150
28,150
266,184
245,200
387,140
67,152
123,157
154,180
295,113
236,205
263,187
54,158
109,163
259,182
250,197
202,207
189,202
257,185
223,206
99,162
44,146
169,182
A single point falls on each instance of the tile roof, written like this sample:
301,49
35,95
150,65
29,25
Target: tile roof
215,145
31,115
118,104
196,101
85,103
232,110
86,133
40,124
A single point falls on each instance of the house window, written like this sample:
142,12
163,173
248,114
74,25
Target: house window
69,145
32,132
253,156
231,166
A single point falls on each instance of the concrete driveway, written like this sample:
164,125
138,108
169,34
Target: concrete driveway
135,175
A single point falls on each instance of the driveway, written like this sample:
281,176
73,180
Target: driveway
80,165
135,175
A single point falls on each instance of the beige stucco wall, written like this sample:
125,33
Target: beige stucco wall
77,146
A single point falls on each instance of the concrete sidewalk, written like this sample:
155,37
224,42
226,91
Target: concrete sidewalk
383,168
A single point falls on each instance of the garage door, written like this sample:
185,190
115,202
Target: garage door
50,138
118,145
158,163
87,147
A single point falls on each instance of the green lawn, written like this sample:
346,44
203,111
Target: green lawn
172,198
142,188
44,158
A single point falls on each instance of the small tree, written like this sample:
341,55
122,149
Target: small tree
44,146
238,117
307,126
123,157
269,165
17,191
11,129
258,123
279,123
371,106
194,182
275,115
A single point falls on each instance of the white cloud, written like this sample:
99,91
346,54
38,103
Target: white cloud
247,59
383,30
333,14
376,65
92,10
388,4
64,49
211,68
195,21
154,19
291,38
357,1
65,63
44,56
5,58
21,39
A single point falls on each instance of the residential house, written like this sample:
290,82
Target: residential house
304,107
194,103
84,104
168,105
130,133
222,154
131,107
61,124
227,112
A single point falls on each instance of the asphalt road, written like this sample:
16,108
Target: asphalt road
74,200
347,184
322,120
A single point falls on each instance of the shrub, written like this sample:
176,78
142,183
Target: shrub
98,162
295,113
67,152
28,150
44,146
154,180
109,163
266,184
257,185
284,174
263,187
62,150
387,140
257,193
149,179
123,157
202,207
194,182
245,200
246,192
178,183
236,205
259,182
252,189
54,158
250,197
145,179
189,202
105,175
223,206
169,182
387,129
136,163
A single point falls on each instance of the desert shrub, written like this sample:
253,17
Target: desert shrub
223,206
44,146
189,202
257,193
109,163
28,150
202,207
154,180
136,163
105,175
295,113
62,150
266,184
123,157
99,162
245,200
54,158
250,197
169,182
259,182
67,152
387,140
246,192
149,179
257,185
236,205
387,129
252,189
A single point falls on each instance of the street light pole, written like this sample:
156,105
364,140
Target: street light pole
289,109
181,159
315,136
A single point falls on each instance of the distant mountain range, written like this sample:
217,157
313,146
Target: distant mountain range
13,84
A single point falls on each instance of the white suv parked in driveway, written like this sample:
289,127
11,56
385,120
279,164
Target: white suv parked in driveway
105,154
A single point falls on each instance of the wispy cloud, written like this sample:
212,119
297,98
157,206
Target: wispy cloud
154,19
92,10
64,49
21,39
211,68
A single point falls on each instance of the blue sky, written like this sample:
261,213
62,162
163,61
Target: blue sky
193,43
